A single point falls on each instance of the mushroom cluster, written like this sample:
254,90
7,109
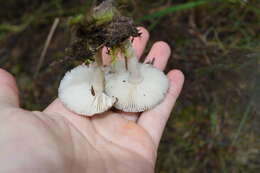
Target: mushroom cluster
125,84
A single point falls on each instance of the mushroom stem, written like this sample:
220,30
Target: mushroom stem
98,78
132,63
98,81
98,58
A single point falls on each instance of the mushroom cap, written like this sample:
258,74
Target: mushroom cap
137,97
76,92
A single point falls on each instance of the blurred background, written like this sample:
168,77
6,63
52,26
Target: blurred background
215,126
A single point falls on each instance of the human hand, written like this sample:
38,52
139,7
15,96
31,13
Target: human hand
57,140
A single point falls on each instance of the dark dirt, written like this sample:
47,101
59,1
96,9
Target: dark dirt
92,34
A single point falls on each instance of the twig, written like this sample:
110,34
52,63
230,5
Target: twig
46,45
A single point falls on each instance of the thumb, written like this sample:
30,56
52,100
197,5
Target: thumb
8,90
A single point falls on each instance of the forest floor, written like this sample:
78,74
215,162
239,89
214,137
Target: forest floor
215,126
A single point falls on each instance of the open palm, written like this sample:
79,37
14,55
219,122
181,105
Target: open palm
57,140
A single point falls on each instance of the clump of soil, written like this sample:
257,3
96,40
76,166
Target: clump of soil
104,26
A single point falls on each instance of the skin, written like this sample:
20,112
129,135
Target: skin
57,140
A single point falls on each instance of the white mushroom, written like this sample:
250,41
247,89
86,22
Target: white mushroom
81,91
139,88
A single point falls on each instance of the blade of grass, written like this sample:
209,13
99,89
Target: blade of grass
154,23
6,28
247,111
173,9
242,122
46,45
